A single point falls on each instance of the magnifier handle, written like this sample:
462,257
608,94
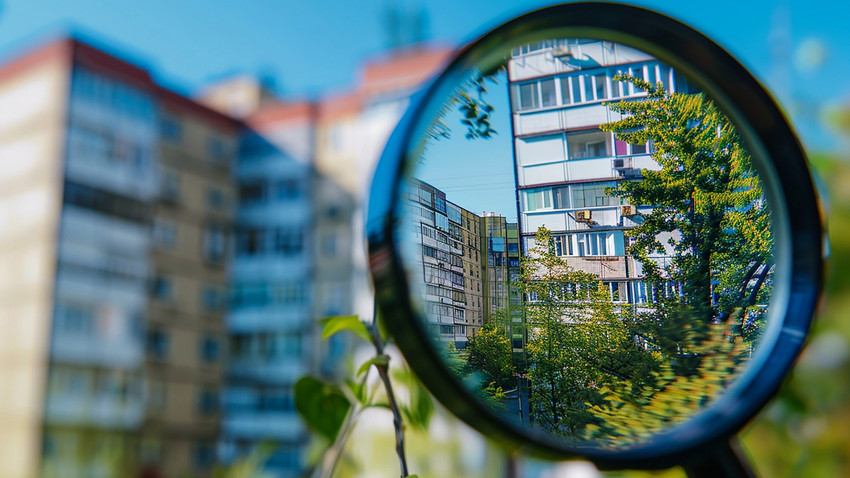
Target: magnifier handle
727,459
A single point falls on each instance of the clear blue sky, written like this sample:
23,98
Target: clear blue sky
312,47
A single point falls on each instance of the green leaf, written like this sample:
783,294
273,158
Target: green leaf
376,360
357,389
350,323
322,406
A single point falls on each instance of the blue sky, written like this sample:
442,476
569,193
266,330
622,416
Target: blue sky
799,49
314,46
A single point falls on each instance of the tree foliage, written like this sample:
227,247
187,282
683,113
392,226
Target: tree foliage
709,211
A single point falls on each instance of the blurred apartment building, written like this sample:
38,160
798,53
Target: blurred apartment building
564,162
117,200
164,259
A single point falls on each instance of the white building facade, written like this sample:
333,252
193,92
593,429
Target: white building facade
564,162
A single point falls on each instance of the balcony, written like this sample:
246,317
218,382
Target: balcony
263,426
281,369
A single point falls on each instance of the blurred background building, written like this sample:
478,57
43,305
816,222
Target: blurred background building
166,258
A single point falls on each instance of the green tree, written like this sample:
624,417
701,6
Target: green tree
490,353
580,351
708,205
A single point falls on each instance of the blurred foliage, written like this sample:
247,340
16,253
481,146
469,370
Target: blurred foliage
805,430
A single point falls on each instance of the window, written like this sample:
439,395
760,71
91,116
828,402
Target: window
212,299
252,192
535,200
164,233
170,129
563,245
204,456
588,144
250,242
547,92
566,96
208,401
638,148
162,288
592,194
288,189
74,319
209,349
213,243
157,344
329,244
288,241
216,149
169,187
216,198
528,97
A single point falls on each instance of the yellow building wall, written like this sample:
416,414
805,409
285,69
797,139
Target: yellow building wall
32,114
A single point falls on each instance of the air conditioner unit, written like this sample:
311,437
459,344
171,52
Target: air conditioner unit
628,210
619,163
583,216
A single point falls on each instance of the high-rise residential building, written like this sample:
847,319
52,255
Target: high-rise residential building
565,163
270,320
500,268
190,254
442,262
115,209
353,127
473,272
165,258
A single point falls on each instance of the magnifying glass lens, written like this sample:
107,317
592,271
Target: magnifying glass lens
588,244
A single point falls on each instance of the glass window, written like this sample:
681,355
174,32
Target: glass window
212,299
639,148
547,92
216,149
588,88
157,344
216,198
592,194
561,197
528,96
590,144
599,87
566,96
289,241
209,349
164,233
170,129
213,243
162,288
289,188
537,200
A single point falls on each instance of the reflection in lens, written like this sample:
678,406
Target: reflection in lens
622,283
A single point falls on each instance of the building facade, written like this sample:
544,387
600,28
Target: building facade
501,269
564,163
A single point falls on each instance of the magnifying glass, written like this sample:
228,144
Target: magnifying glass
595,235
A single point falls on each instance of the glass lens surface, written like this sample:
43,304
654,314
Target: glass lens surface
587,241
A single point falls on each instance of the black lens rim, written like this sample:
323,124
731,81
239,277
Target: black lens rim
766,133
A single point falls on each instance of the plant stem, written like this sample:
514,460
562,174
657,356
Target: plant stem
383,372
397,423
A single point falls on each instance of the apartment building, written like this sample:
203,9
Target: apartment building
186,336
165,258
564,162
501,274
116,199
